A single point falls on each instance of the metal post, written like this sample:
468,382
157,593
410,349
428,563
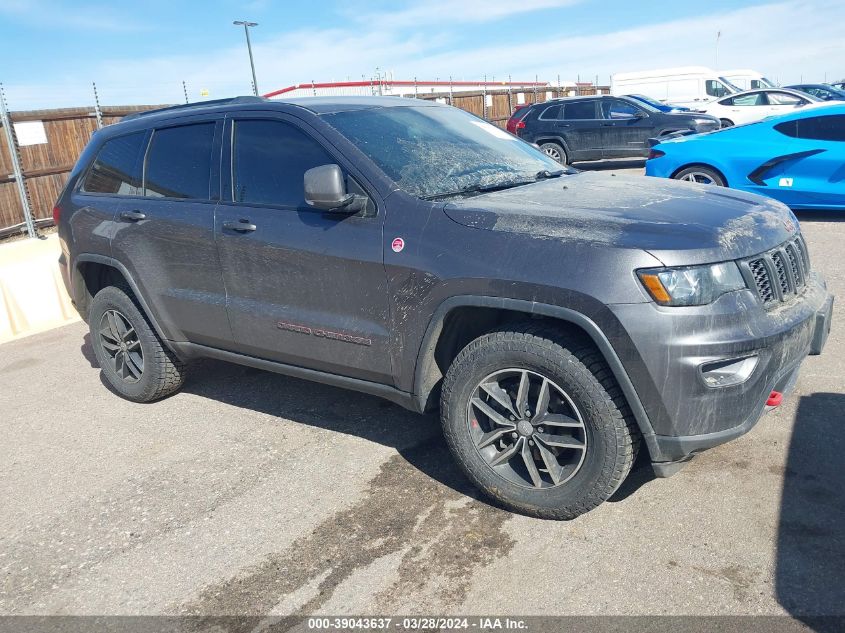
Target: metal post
484,98
415,88
16,165
451,99
536,81
97,111
510,96
246,26
185,90
558,86
313,89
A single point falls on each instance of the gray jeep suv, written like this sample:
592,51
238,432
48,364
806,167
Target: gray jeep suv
560,321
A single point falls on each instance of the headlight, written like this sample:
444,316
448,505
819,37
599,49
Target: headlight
692,286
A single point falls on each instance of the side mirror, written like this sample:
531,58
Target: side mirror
325,188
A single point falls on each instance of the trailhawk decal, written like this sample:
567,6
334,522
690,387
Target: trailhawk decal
321,333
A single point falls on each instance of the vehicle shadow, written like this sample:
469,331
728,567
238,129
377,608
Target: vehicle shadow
810,568
610,164
819,216
417,438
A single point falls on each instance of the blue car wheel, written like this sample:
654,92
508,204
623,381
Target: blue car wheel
701,175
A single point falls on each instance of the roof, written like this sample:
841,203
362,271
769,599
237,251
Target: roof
317,105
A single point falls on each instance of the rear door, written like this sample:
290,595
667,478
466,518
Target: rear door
305,287
581,127
165,236
626,129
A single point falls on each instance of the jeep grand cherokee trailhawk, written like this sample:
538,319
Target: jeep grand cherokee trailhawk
560,321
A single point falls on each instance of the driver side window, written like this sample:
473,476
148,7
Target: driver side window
618,109
269,161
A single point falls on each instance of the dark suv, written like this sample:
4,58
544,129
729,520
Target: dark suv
412,251
593,128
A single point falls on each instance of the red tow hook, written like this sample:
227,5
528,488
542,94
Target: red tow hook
775,398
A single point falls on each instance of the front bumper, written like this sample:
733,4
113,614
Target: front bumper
669,347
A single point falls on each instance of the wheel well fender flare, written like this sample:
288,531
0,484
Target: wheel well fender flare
700,164
554,139
425,356
84,258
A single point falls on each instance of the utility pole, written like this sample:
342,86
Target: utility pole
718,36
246,26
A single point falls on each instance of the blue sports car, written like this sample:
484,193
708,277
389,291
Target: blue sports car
797,158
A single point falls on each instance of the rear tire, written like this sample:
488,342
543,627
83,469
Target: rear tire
555,151
132,357
702,175
585,408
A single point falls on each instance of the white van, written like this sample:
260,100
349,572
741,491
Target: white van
687,85
746,79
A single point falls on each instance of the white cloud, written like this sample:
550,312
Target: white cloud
90,17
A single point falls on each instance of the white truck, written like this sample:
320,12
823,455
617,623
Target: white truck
686,85
746,79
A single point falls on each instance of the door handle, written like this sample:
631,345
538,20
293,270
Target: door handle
133,216
564,125
607,124
241,226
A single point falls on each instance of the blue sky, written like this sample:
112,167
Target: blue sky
141,52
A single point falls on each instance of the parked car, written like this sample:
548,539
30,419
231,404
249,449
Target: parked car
823,92
746,79
593,128
797,158
410,250
754,105
839,85
687,86
654,103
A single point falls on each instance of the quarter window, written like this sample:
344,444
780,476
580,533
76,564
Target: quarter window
715,88
117,168
269,161
179,162
551,113
818,128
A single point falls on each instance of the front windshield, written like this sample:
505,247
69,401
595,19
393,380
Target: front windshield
431,151
730,85
646,103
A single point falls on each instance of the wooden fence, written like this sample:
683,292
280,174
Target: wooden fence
46,165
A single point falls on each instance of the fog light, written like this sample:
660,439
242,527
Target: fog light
724,373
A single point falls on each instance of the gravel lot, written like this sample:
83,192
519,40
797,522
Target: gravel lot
254,493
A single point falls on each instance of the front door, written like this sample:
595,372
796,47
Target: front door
625,129
305,287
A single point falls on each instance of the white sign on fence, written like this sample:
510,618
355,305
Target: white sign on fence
30,133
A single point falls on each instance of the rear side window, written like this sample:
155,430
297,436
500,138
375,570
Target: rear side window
818,128
552,113
179,162
117,167
783,98
269,161
579,110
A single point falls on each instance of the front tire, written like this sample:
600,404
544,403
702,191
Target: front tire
555,151
132,357
726,123
702,175
538,423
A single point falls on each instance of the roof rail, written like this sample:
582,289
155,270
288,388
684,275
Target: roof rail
196,104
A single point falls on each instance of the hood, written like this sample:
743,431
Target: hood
679,223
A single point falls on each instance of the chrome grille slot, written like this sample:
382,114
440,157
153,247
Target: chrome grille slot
780,274
761,280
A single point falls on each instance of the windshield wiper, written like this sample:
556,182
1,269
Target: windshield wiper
540,175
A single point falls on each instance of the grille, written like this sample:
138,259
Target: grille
781,273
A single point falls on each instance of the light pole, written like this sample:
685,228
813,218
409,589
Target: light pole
246,26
